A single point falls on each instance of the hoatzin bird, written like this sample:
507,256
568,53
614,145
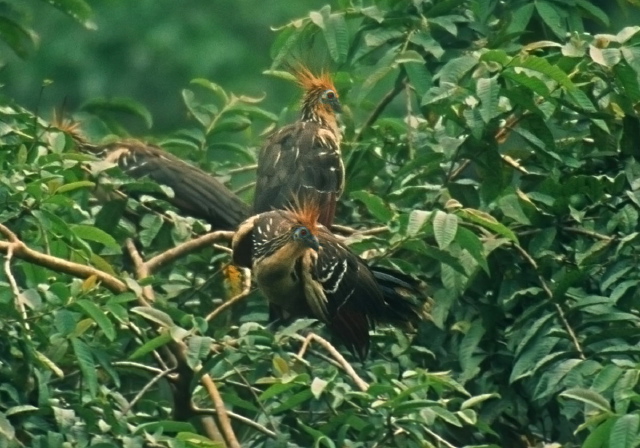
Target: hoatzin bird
195,192
304,269
302,160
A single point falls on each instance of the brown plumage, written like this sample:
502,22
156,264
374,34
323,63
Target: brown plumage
302,161
195,192
301,267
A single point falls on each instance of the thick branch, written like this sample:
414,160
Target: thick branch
185,249
20,250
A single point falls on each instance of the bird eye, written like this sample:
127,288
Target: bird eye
330,95
303,232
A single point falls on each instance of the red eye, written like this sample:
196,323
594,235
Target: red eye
303,233
331,95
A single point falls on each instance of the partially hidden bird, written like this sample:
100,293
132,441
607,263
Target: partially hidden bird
302,161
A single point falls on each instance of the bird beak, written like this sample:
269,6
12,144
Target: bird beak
312,242
337,107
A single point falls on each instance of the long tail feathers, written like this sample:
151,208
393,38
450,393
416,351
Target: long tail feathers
405,297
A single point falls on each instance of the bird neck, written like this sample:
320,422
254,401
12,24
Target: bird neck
322,114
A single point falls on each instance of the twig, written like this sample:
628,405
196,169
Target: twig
380,107
20,250
246,187
144,390
345,230
221,411
242,169
137,365
438,438
16,291
141,268
362,385
184,249
246,290
589,233
240,418
549,293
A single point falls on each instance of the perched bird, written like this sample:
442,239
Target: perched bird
302,160
195,192
301,267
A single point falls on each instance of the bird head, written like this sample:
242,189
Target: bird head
304,236
320,95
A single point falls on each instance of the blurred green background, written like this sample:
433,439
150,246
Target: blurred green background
149,50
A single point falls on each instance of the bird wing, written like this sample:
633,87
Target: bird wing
350,293
300,163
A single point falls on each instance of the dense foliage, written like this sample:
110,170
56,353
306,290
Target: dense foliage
491,151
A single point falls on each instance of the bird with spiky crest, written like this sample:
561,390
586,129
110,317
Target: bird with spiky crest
302,160
301,267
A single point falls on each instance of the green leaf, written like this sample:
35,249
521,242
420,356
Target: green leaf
77,9
19,39
336,35
154,315
488,90
6,428
87,365
99,317
625,432
487,221
589,397
198,348
151,345
74,186
318,385
91,233
105,106
417,220
445,227
213,87
552,16
375,205
472,244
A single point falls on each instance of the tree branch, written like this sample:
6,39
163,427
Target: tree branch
184,249
381,106
362,384
20,250
549,293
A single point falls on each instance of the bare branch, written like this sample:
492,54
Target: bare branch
142,270
144,390
185,249
590,233
362,384
221,411
549,293
14,287
243,169
20,250
344,230
240,418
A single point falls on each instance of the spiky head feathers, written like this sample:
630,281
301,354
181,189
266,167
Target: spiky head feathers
320,95
305,215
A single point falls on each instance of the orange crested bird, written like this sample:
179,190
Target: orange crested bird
301,267
302,160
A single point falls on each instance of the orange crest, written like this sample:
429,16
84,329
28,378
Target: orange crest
308,81
306,214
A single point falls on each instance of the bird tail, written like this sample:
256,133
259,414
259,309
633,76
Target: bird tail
405,297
